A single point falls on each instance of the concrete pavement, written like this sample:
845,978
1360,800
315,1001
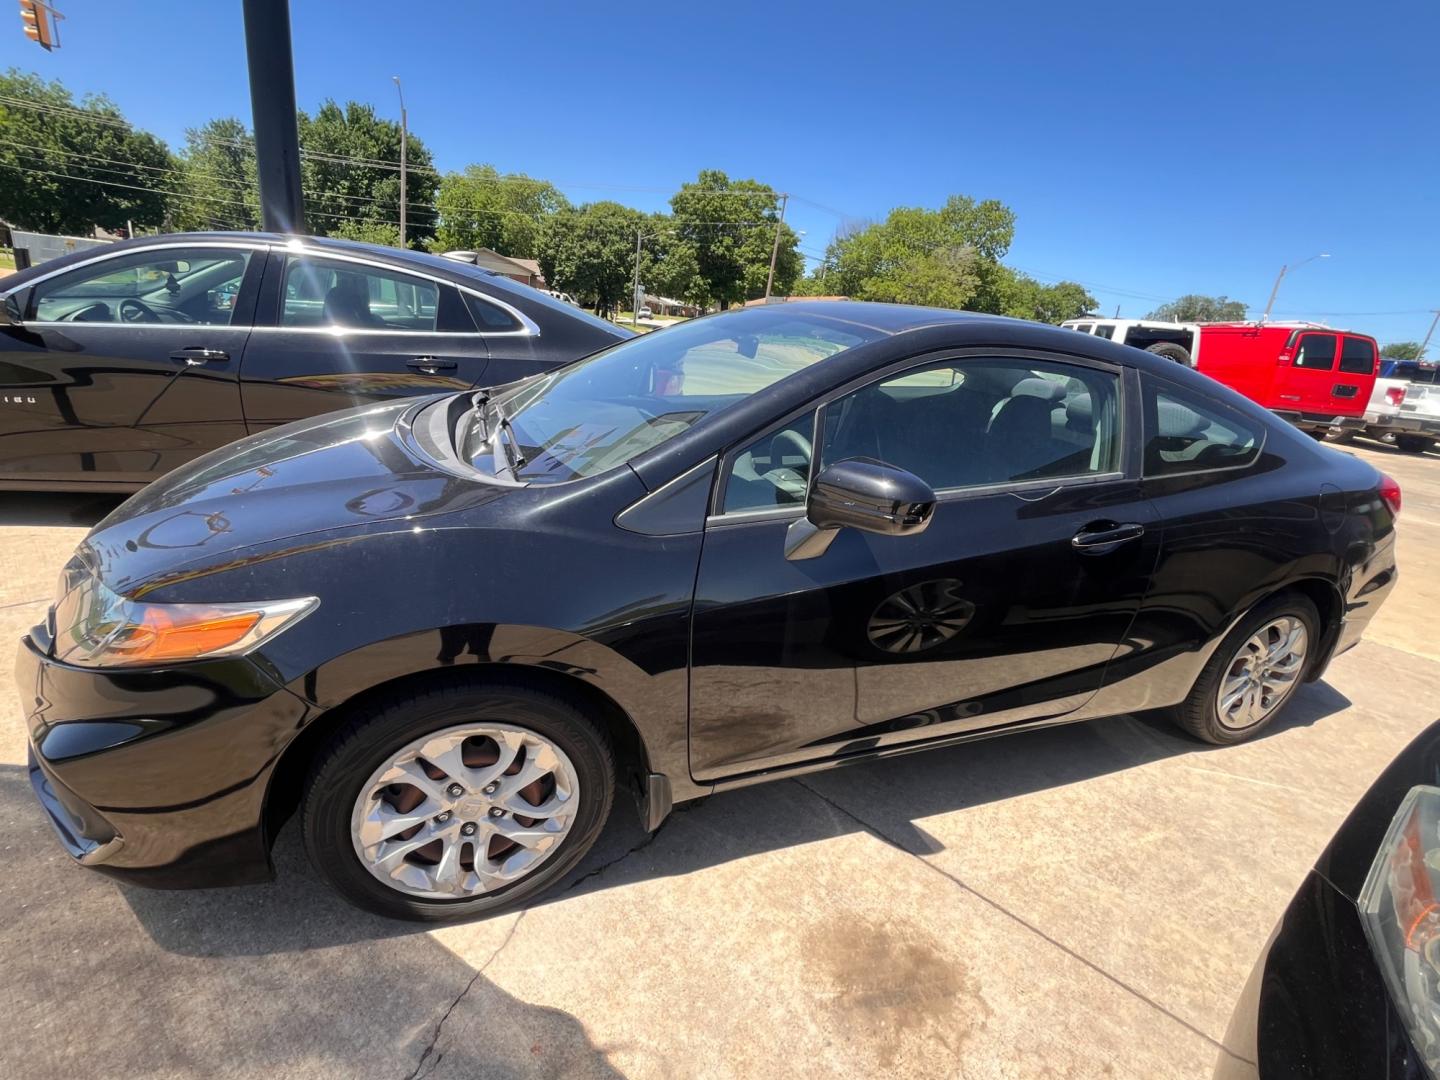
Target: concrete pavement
1079,902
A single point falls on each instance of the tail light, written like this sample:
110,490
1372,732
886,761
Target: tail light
1394,395
1401,916
1390,492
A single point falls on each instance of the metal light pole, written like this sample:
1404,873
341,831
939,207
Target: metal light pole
404,138
1428,334
775,248
1281,277
635,287
272,101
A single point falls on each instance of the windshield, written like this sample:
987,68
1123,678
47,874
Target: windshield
602,411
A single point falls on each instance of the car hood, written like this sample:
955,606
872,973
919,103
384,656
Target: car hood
345,471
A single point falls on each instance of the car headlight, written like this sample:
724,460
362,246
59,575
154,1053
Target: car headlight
97,627
1400,910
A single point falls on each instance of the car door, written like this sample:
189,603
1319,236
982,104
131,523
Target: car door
125,366
1006,609
1311,383
334,331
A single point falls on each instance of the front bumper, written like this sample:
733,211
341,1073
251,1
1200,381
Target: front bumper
158,776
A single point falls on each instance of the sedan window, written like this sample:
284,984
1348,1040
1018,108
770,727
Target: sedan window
173,285
1186,433
337,293
984,422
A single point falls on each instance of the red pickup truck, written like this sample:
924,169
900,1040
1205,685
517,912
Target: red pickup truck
1317,377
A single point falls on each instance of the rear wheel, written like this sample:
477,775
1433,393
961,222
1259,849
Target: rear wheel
1170,351
1339,435
457,801
1414,444
1254,672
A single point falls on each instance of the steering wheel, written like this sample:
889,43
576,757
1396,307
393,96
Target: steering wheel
790,483
134,311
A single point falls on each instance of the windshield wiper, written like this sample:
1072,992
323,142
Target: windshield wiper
504,436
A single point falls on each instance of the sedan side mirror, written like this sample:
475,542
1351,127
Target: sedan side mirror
10,313
864,494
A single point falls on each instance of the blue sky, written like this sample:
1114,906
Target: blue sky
1147,149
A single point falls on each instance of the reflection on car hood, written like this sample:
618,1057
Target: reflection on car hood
346,470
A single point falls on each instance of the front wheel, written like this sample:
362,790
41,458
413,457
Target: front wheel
456,801
1414,444
1254,672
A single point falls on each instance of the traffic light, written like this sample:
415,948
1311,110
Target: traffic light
36,17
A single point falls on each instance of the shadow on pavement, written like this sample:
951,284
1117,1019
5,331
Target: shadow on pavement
284,979
56,508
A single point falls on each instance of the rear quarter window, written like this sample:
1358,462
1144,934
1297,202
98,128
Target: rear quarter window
1357,356
1186,433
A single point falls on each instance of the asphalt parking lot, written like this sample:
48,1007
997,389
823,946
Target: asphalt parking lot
1086,901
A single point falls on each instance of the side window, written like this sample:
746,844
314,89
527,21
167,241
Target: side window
489,317
1315,351
774,470
978,422
1357,356
1186,433
1107,332
332,292
176,285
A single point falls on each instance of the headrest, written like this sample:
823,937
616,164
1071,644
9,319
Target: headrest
1176,421
1044,389
1080,407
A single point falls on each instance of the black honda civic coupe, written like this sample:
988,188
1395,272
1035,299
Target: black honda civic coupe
449,631
122,363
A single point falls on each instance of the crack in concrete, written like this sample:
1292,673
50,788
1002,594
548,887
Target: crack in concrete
880,835
645,841
426,1054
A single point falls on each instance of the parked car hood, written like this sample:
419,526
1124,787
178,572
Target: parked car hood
348,470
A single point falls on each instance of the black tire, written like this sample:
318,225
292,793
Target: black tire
1197,713
368,740
1414,444
1340,435
1170,351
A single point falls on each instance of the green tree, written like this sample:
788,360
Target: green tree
1022,297
480,208
729,228
944,258
218,175
1401,350
350,163
66,167
1194,307
589,252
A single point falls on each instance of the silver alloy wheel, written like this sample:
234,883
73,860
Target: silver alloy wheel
1262,673
463,811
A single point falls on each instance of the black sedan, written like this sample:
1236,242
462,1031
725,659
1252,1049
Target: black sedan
1349,984
770,541
119,366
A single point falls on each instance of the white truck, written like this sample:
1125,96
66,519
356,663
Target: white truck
1405,406
1174,341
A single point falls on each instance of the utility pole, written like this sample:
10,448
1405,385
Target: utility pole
635,287
272,101
775,248
1428,334
404,138
1281,277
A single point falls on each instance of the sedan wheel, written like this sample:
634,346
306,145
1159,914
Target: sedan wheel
457,801
1262,674
1252,674
464,811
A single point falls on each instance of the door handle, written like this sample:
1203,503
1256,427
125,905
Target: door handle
430,364
197,356
1102,537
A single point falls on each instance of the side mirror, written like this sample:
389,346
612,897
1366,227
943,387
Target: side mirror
864,494
10,313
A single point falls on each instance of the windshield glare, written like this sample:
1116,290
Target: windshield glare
603,411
